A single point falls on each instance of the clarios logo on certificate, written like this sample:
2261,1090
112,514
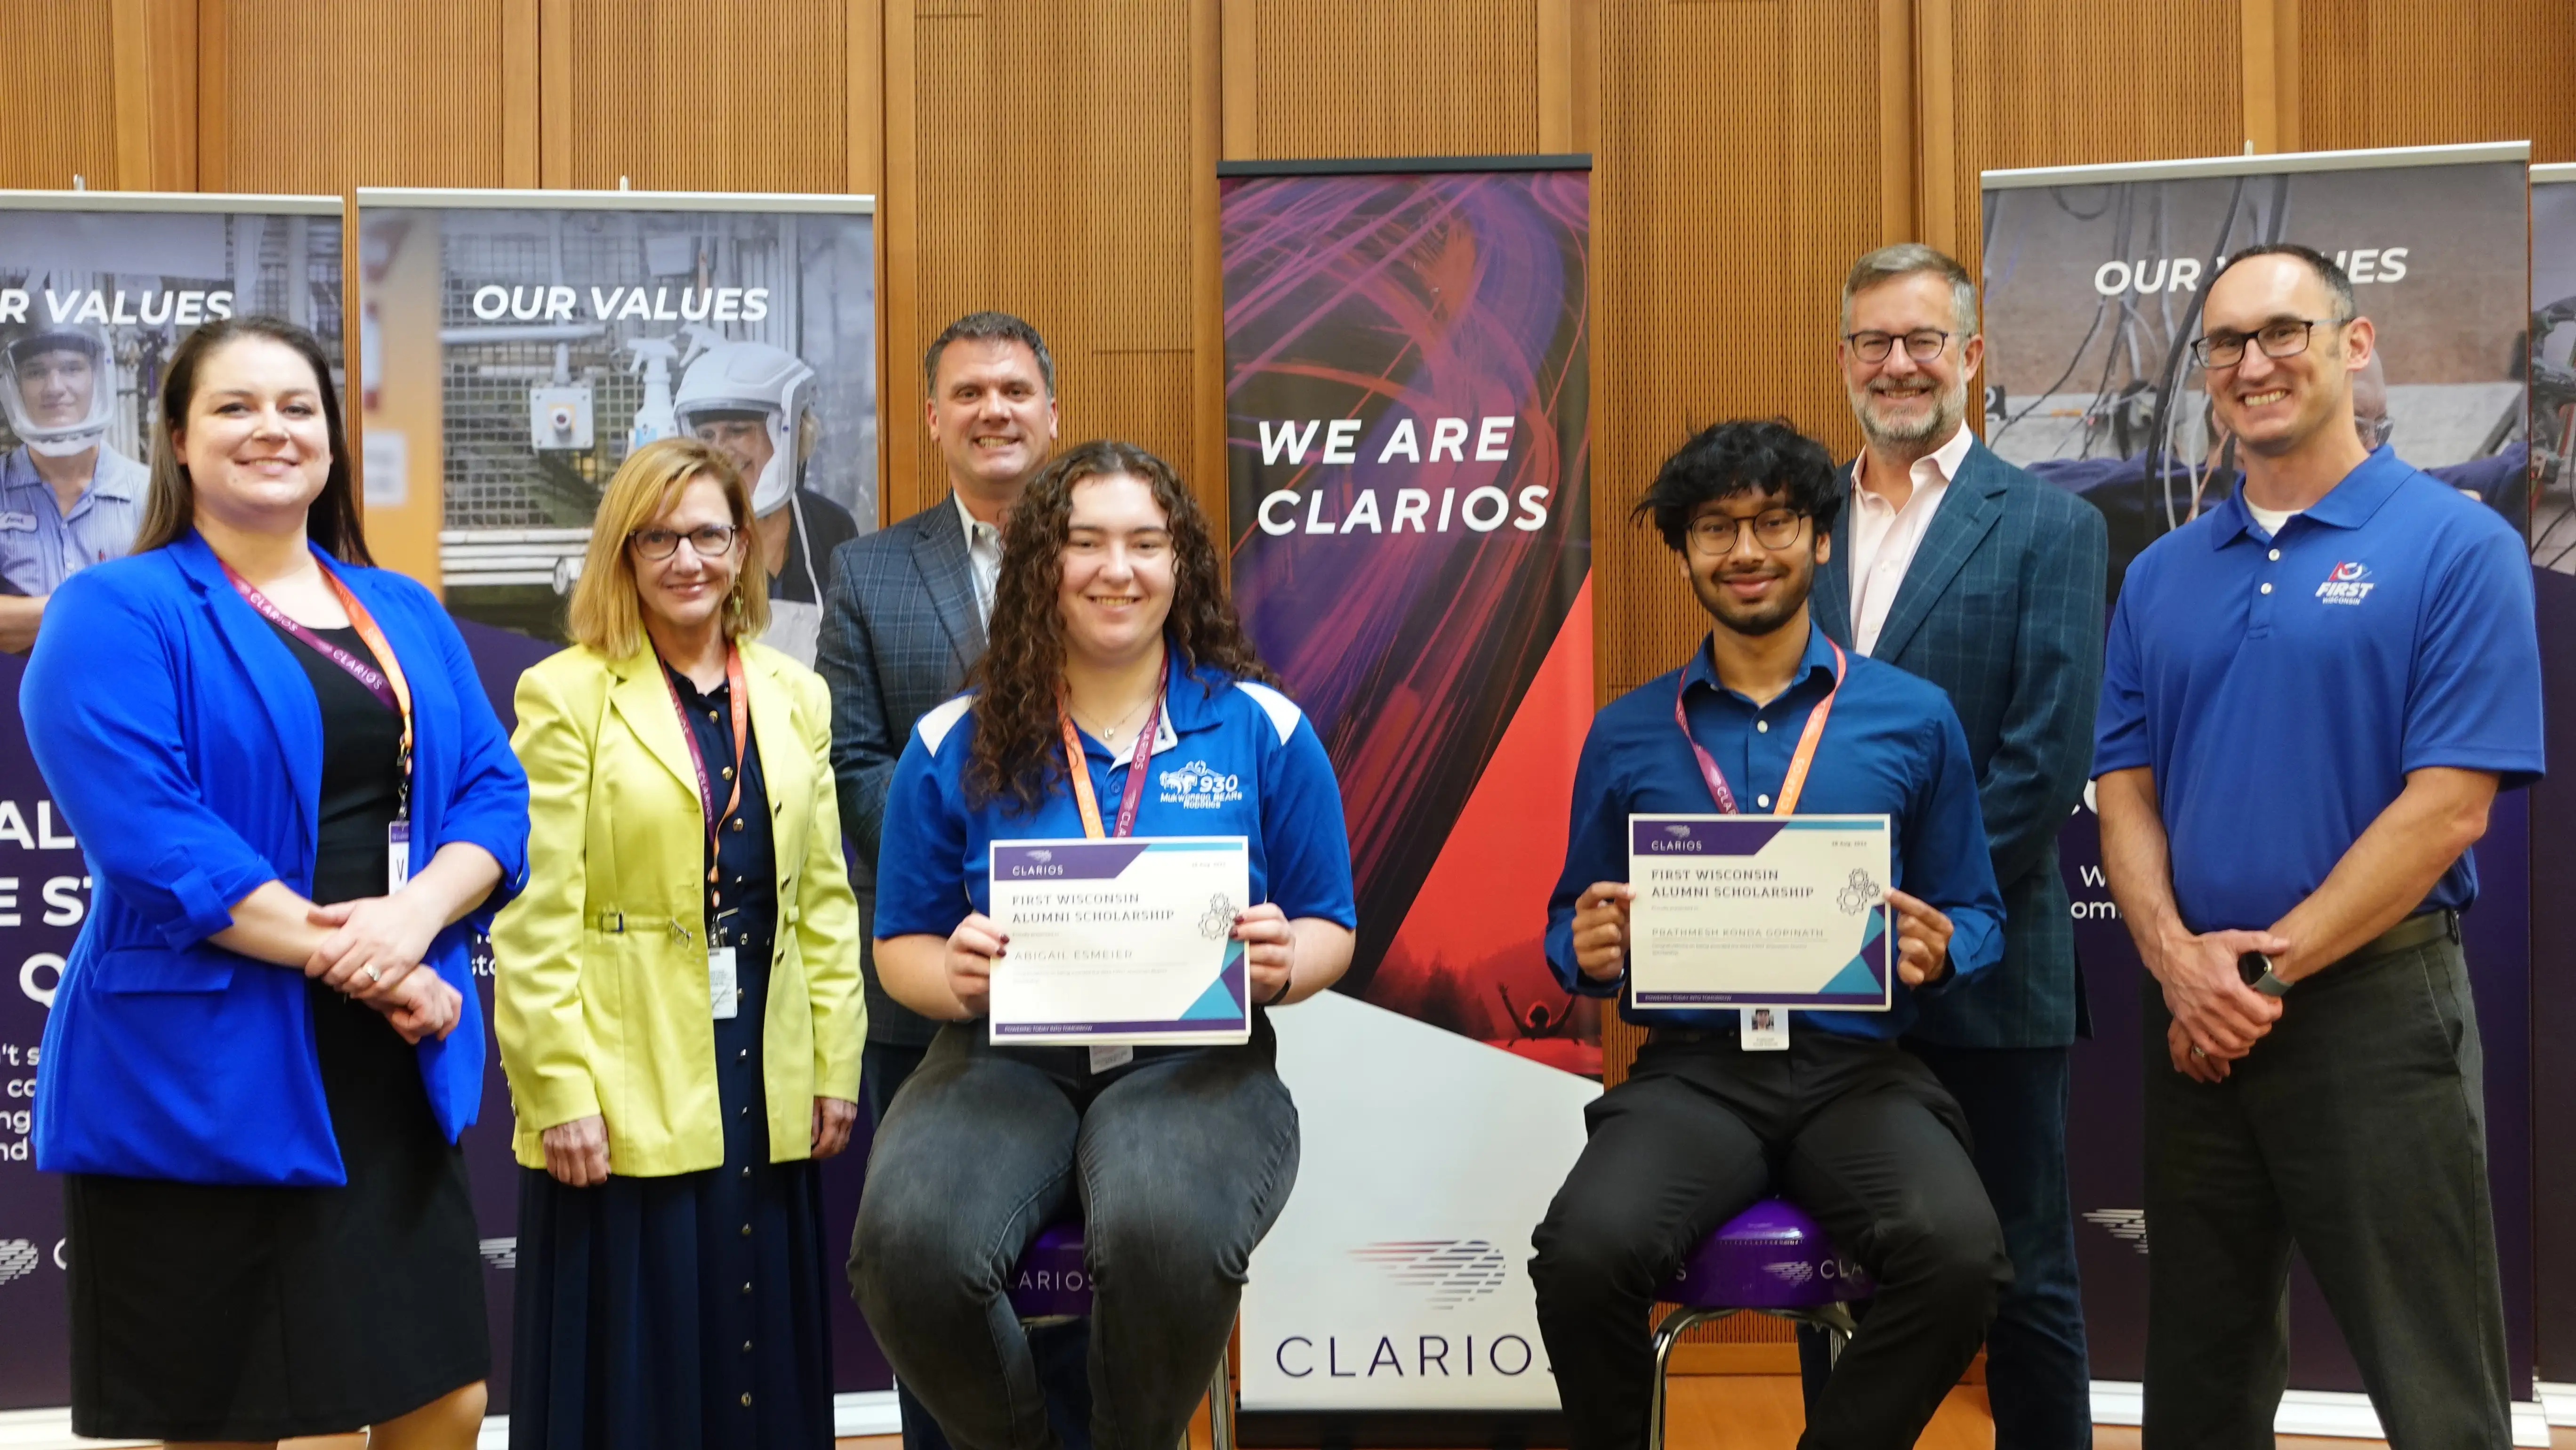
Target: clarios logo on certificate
1759,911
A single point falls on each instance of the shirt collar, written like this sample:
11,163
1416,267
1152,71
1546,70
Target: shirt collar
970,523
1947,458
2350,504
1819,656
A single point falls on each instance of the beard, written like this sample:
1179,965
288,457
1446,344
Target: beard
1948,408
1759,619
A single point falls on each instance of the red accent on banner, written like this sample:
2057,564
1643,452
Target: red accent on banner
1473,933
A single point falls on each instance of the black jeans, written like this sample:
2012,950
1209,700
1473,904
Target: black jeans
1180,1164
2356,1130
2038,1378
1859,1134
1060,1347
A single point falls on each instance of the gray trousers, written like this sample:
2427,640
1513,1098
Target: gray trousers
2356,1130
1179,1163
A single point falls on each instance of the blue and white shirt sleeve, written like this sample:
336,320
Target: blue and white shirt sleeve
921,855
1304,838
1596,849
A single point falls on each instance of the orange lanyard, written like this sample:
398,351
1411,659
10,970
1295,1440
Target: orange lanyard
1138,762
1792,785
741,737
386,684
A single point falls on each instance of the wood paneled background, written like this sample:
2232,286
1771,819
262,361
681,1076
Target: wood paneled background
1056,158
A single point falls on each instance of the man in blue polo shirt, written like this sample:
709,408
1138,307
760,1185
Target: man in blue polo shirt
2312,694
1859,1131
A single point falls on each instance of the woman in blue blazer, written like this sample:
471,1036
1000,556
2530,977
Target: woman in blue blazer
296,804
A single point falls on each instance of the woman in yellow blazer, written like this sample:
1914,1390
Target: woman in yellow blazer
677,994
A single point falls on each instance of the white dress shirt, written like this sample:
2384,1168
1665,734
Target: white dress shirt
1884,537
984,553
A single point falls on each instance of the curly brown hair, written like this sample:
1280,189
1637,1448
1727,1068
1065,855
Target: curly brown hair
1015,758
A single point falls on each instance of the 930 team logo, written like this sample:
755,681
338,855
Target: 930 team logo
2350,583
1196,787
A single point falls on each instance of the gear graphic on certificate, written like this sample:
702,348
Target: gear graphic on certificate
1859,894
1219,918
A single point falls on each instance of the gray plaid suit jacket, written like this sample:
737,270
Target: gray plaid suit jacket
2002,608
900,630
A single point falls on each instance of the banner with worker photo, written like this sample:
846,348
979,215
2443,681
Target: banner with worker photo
514,347
2094,278
96,292
1408,413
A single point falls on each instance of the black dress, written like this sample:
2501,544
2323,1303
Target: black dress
687,1312
218,1312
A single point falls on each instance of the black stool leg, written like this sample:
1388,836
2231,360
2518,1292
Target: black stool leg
1675,1325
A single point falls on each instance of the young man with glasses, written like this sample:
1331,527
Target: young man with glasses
1717,1113
2312,695
1957,567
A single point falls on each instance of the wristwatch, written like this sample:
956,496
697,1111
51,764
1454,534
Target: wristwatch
2256,969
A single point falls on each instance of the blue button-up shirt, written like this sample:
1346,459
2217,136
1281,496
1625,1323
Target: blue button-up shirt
41,546
1891,747
2281,688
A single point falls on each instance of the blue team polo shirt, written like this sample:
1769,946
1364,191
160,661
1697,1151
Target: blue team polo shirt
2282,687
1892,746
1231,758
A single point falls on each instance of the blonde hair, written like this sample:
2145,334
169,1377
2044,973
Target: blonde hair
605,613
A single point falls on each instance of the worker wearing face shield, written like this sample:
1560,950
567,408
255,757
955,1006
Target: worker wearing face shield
67,499
755,403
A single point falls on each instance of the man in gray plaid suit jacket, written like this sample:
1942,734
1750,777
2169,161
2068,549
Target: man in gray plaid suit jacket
1967,571
903,623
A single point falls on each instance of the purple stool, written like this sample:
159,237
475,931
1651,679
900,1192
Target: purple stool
1050,1284
1772,1259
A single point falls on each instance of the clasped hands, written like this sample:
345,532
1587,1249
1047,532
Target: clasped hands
373,954
2216,1017
1601,934
1269,955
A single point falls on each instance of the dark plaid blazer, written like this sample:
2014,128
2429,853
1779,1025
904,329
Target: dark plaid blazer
2002,608
899,633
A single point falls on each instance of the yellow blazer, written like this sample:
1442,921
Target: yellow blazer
600,1002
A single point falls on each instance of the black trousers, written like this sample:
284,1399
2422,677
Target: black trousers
1855,1131
2356,1129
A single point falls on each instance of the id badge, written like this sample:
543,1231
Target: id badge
723,999
1111,1055
1766,1029
397,856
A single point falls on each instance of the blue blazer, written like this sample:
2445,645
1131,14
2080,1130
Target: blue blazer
184,745
2002,608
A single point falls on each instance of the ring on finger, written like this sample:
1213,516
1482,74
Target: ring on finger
370,974
2196,1052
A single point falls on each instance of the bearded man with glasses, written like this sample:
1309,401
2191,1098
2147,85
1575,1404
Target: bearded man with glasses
1960,568
2313,693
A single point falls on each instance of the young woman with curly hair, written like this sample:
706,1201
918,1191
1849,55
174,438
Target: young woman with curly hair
1111,613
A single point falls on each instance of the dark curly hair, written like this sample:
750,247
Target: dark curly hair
1016,757
1766,456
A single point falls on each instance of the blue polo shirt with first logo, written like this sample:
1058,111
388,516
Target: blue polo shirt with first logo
2281,688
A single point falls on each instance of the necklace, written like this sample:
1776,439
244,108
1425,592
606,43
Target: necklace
1109,736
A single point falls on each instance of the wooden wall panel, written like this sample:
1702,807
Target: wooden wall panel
1046,169
2432,72
57,105
681,95
328,95
1369,78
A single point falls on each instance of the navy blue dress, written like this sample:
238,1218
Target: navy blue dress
686,1311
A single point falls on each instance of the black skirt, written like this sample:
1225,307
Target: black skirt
219,1312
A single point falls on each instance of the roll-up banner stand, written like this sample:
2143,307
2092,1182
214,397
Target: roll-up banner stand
96,291
514,347
1407,396
2553,804
2093,283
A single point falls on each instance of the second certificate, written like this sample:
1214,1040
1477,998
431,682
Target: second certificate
1759,911
1122,940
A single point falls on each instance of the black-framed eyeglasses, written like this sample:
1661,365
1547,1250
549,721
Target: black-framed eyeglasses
1922,345
709,541
2281,337
1772,529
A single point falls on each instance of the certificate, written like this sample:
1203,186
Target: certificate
1759,911
1124,940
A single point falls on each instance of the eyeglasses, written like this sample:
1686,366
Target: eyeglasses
1772,529
711,541
2283,337
1873,347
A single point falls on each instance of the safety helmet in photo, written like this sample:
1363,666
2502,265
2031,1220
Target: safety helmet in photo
20,367
752,378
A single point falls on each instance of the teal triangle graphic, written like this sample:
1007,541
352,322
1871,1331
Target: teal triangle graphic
1218,1001
1854,980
